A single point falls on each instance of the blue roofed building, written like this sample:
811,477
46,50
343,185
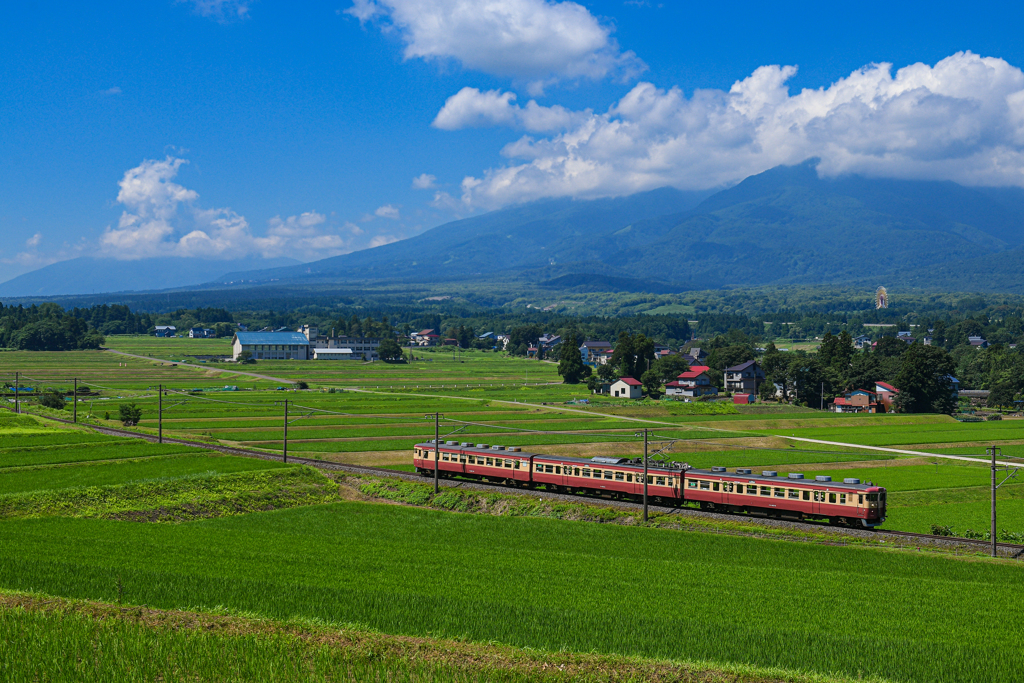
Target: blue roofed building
271,345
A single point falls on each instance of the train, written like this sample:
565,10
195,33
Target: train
849,503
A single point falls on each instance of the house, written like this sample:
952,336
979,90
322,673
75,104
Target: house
450,341
861,341
693,383
744,378
627,387
549,341
201,333
886,394
695,356
271,345
426,337
978,342
858,401
591,351
166,330
487,336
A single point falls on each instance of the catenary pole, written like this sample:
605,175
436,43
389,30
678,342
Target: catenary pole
286,430
992,452
74,404
645,476
160,413
17,391
437,448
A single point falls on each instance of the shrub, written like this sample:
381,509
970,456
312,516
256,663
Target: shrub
52,399
130,414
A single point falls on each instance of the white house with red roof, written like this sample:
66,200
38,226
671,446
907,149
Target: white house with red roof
627,387
693,383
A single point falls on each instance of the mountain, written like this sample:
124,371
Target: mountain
86,275
783,226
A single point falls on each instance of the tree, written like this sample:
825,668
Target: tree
766,392
633,355
652,383
890,347
389,350
606,372
521,337
570,362
246,358
924,381
130,414
51,398
670,367
1002,395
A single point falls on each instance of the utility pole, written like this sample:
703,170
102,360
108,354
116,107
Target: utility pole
160,413
17,404
286,430
74,403
437,446
645,472
993,452
823,396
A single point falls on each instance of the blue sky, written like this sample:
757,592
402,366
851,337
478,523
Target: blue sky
217,129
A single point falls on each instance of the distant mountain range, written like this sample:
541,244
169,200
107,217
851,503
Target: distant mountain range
87,275
785,226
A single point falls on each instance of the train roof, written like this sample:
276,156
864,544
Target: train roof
629,463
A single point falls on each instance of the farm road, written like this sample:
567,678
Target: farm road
712,429
203,367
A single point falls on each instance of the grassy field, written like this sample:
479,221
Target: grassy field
846,610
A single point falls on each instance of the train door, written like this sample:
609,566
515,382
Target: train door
818,503
728,489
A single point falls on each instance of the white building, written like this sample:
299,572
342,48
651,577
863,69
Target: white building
362,348
271,345
335,354
627,387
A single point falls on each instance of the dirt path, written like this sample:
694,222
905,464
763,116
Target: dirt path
203,367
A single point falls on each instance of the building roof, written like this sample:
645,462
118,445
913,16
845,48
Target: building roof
423,333
694,372
272,338
861,391
596,344
630,381
321,352
887,387
741,367
166,327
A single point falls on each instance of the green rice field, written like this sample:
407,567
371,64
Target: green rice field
845,610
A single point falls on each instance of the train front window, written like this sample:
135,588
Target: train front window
872,497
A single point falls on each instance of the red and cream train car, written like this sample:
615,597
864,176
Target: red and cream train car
850,503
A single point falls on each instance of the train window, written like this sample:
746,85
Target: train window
872,497
660,481
549,468
730,485
444,456
575,471
766,490
629,477
807,495
586,472
558,469
490,461
462,458
515,464
705,485
793,493
508,464
607,474
619,476
597,474
842,499
860,499
739,488
692,483
831,497
714,486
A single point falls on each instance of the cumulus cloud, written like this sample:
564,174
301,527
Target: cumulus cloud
387,211
961,120
34,240
470,108
112,91
161,218
424,181
221,10
381,240
533,40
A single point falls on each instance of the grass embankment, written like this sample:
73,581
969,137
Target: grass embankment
549,584
186,497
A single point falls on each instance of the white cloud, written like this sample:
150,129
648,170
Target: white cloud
387,211
112,91
381,240
424,181
962,120
534,40
34,240
222,10
161,219
470,108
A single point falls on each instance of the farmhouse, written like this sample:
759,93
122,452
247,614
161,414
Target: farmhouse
744,378
693,383
858,401
425,337
271,345
627,387
593,352
201,333
166,330
978,342
886,394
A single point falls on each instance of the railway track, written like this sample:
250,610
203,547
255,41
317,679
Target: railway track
1013,550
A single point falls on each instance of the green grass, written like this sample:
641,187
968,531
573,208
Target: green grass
962,509
133,471
894,435
119,450
555,585
51,437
